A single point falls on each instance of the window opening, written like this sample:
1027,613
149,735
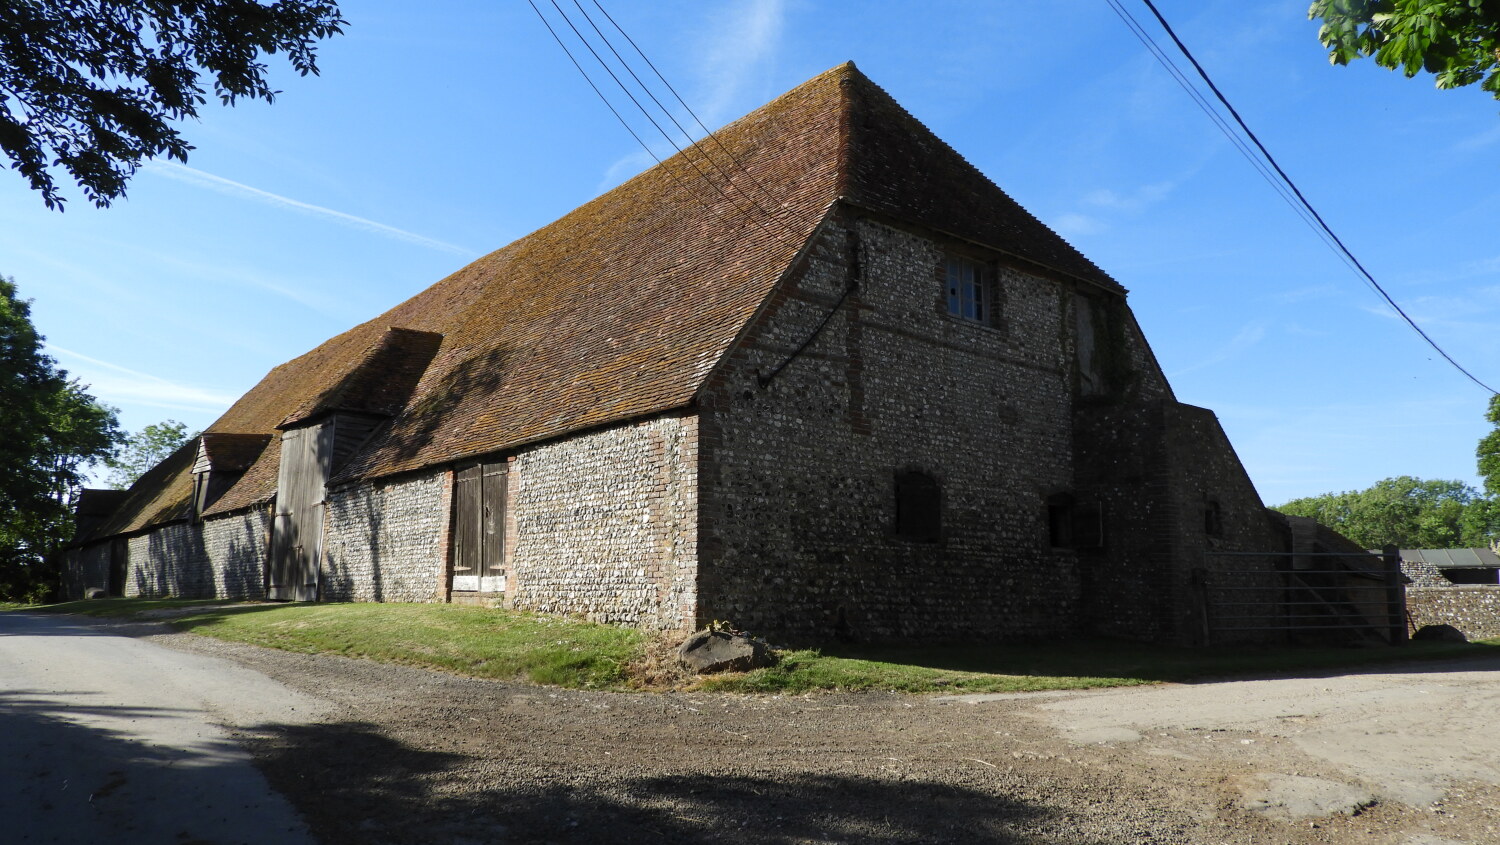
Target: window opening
970,289
919,509
1213,518
1060,516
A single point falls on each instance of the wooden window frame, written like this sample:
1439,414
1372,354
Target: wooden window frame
970,289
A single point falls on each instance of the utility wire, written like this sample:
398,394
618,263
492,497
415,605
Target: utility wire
1213,114
1302,199
747,215
612,110
728,177
696,119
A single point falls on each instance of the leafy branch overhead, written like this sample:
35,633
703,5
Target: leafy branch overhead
1456,40
93,86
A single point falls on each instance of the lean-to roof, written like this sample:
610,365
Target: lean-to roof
622,307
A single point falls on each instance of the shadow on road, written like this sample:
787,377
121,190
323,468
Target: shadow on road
359,787
70,778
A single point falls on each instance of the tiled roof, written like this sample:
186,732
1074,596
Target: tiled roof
380,381
229,452
622,307
98,502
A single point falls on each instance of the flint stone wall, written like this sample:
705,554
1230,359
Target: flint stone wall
799,473
1471,608
223,557
387,540
84,568
604,525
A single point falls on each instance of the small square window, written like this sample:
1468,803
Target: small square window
971,289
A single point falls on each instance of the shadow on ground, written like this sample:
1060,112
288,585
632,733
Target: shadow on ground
1103,658
71,779
359,787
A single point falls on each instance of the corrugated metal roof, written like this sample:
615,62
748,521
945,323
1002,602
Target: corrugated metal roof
1480,558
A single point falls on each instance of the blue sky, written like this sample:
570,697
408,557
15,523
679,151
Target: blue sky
440,131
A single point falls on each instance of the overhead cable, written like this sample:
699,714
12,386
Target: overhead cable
1219,121
747,215
728,177
1322,224
709,134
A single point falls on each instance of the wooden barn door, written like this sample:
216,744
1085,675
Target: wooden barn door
297,530
479,528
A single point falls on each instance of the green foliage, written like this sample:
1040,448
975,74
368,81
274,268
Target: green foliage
1488,452
1406,511
1458,41
143,450
50,428
92,86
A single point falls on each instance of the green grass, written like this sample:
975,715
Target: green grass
1070,664
120,608
510,645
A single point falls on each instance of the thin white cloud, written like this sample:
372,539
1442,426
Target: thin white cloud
309,295
1137,200
747,38
114,383
1323,291
626,167
1247,337
1484,139
1072,225
193,176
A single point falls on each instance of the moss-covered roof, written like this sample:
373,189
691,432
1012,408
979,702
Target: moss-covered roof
622,307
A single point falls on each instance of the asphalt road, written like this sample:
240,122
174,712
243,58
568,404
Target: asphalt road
109,739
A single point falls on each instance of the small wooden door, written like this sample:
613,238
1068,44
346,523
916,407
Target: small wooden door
479,494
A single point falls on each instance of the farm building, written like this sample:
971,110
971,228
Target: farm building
817,376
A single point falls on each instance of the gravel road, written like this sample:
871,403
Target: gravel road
400,755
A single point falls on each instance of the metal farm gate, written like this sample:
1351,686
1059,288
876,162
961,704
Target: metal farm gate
1263,597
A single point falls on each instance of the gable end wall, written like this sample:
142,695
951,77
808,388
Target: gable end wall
798,476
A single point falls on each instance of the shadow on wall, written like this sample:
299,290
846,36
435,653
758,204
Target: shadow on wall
478,377
353,784
245,561
342,572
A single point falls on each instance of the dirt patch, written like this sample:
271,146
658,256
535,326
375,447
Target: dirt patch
411,756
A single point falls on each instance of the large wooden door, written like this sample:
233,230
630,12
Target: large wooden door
479,528
297,529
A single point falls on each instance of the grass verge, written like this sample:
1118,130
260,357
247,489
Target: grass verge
510,645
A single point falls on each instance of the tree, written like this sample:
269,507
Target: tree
1488,452
50,428
1456,40
1406,511
91,86
143,450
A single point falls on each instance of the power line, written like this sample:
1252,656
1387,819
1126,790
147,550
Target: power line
736,206
712,136
1219,121
728,177
1303,200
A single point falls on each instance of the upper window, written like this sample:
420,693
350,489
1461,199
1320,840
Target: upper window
971,289
1213,518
